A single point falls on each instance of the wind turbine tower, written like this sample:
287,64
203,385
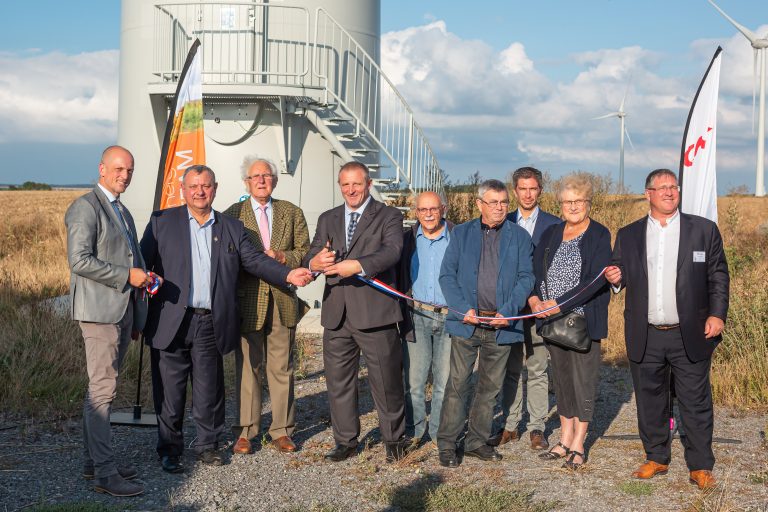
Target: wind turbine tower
621,114
759,45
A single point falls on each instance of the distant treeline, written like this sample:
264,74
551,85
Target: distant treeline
30,185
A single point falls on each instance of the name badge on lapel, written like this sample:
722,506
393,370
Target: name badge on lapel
699,257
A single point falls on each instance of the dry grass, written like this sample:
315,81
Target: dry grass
42,366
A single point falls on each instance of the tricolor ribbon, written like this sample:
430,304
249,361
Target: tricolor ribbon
385,288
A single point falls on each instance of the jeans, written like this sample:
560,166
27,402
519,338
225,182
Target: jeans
432,348
492,366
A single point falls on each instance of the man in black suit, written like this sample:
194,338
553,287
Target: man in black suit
527,186
362,237
193,321
674,269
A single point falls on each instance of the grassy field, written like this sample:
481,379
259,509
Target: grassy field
42,365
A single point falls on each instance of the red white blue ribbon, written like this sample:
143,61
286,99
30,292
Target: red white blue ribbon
385,288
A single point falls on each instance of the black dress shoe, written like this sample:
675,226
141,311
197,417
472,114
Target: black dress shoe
115,485
211,457
341,452
128,472
484,452
171,464
448,458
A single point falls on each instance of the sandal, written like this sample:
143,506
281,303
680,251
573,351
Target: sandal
574,466
553,455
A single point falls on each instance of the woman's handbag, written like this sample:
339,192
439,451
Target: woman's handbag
566,330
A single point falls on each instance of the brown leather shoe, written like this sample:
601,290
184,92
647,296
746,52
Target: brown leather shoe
242,446
538,441
650,469
504,437
704,479
284,444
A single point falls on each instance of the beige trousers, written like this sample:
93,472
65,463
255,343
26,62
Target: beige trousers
272,346
105,349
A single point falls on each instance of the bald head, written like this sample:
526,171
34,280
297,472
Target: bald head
429,212
116,169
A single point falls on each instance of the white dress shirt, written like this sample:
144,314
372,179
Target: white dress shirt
257,212
528,224
662,244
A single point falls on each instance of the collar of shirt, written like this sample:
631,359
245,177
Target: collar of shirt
657,224
207,223
110,196
257,205
443,233
484,226
348,210
531,218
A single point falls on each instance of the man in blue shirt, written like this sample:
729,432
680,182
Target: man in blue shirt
426,344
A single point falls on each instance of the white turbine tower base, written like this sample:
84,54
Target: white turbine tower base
759,45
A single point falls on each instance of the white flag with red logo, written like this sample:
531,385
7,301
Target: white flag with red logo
697,160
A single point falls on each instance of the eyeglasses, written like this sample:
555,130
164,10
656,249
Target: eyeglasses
578,203
665,188
423,211
258,177
495,204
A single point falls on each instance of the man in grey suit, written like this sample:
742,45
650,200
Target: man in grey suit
360,237
107,277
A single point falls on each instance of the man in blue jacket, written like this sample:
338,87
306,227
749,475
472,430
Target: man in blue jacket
487,271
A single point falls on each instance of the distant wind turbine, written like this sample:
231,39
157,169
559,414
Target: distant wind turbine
621,114
759,45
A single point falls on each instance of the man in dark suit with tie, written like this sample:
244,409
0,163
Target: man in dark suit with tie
107,277
673,267
527,185
360,237
194,319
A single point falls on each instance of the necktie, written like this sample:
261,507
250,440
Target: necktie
118,207
264,227
351,228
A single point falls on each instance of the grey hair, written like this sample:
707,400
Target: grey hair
199,169
495,185
656,173
248,162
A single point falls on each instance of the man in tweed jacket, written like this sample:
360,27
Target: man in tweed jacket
269,313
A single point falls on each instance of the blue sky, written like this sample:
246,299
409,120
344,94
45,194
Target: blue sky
547,67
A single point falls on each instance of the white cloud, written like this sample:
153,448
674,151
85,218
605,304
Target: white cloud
500,111
57,97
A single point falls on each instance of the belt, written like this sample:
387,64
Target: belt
200,311
430,308
483,324
665,327
485,312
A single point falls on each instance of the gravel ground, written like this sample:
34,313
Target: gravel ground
41,464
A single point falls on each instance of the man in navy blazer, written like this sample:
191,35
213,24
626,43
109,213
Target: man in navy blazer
487,271
194,319
527,185
676,275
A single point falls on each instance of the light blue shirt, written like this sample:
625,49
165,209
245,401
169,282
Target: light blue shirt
528,224
200,246
425,266
257,211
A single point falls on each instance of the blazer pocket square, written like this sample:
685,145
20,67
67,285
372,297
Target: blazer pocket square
699,257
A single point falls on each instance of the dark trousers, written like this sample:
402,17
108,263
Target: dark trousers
492,367
384,358
665,351
193,351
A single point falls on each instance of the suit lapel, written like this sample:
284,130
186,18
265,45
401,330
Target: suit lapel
363,222
642,243
278,224
506,238
684,248
216,242
107,207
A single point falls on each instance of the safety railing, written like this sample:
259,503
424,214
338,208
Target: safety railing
242,42
354,80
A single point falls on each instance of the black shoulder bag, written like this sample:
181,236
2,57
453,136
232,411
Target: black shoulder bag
566,330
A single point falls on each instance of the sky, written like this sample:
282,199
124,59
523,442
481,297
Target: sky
495,85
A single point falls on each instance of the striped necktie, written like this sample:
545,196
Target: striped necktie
351,228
